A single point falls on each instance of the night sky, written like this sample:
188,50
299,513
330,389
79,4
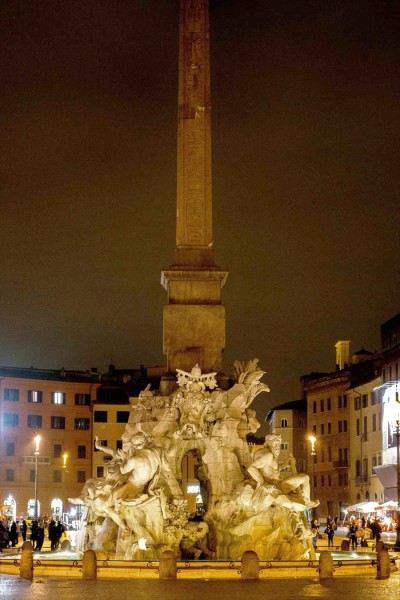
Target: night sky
305,113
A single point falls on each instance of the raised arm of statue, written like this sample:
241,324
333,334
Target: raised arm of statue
104,449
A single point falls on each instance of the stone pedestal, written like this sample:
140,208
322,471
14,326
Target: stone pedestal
167,566
89,565
26,563
250,568
194,319
325,565
383,564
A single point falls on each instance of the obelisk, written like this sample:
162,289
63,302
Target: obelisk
194,318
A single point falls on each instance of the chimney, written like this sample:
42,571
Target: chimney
342,354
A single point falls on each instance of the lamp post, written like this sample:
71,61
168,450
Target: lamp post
37,444
397,434
312,439
64,472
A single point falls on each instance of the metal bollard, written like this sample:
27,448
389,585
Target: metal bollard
250,568
26,563
89,565
167,565
383,564
325,565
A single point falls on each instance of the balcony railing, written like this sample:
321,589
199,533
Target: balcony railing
32,459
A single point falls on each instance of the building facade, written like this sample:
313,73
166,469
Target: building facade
366,442
289,420
389,393
341,468
56,406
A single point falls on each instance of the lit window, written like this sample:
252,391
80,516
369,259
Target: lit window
57,398
35,396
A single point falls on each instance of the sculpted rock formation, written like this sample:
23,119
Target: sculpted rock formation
139,509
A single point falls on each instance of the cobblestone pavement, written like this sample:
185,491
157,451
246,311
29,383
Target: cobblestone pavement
367,588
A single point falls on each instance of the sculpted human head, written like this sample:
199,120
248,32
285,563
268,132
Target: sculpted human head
273,442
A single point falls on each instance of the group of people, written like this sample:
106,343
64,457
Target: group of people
331,526
359,528
55,531
10,532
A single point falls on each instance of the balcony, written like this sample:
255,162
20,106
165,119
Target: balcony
340,464
32,460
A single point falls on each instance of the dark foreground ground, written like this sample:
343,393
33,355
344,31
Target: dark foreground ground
366,588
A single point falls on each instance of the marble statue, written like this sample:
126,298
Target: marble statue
139,508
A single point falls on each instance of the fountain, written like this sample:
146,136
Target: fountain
139,509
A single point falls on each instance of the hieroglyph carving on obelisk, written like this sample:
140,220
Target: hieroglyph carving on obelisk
194,200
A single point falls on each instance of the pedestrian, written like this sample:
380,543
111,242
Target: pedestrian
60,530
23,528
53,535
39,537
376,530
4,539
353,535
13,534
330,531
34,527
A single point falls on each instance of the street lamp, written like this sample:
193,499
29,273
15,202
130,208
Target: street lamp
64,472
312,439
37,443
